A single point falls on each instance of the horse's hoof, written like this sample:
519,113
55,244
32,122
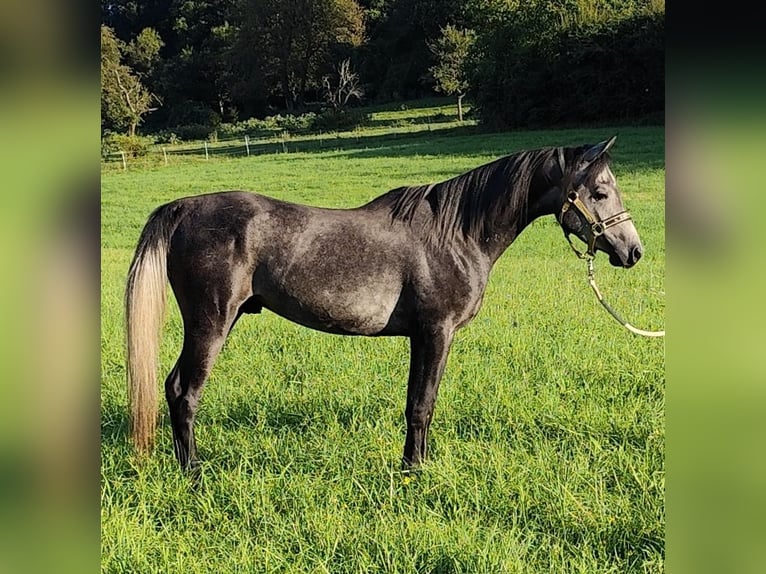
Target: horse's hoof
194,472
409,466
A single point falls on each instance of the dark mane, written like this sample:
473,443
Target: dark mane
469,202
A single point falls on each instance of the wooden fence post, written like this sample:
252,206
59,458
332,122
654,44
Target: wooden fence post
124,165
247,144
165,155
206,155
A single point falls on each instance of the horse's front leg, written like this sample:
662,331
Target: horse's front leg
428,357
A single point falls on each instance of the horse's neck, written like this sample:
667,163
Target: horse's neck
503,233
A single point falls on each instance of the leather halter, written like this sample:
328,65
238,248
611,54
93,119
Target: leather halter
595,227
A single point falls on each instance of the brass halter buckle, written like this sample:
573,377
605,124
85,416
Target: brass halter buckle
595,226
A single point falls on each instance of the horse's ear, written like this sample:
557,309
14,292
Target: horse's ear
595,151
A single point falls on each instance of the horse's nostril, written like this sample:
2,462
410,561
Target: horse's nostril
636,254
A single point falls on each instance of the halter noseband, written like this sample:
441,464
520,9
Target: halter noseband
595,227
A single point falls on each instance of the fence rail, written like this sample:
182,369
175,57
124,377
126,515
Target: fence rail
284,142
242,146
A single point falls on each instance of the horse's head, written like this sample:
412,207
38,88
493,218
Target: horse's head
592,208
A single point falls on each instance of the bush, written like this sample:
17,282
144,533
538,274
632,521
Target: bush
290,123
190,113
166,136
193,121
192,132
337,120
133,146
231,130
329,120
270,124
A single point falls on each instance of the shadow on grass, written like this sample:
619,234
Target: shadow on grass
331,143
474,141
457,140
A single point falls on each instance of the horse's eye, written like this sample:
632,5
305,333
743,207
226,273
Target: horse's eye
599,196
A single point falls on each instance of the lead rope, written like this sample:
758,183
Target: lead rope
612,312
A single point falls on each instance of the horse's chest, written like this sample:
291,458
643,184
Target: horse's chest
455,290
467,302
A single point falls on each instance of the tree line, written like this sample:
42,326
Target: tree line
169,63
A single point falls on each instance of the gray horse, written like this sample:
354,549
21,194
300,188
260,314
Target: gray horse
413,262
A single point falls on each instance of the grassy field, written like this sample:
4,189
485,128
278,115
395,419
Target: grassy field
385,123
548,438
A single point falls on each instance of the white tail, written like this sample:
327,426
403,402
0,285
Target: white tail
145,299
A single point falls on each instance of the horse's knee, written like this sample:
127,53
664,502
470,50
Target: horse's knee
418,416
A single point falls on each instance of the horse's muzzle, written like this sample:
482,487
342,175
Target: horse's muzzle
634,254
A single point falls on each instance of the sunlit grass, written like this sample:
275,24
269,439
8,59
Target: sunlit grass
548,438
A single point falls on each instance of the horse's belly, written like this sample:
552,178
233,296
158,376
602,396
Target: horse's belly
342,311
334,277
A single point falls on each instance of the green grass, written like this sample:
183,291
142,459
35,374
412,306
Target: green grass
389,122
548,438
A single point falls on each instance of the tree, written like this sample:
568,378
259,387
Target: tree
348,86
143,52
124,99
287,43
397,57
452,50
199,75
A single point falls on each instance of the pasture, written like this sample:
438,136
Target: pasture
547,446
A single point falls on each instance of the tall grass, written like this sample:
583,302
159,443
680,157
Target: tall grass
547,443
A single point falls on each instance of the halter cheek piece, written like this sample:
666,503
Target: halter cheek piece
595,227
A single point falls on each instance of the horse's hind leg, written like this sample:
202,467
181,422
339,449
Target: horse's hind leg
204,335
